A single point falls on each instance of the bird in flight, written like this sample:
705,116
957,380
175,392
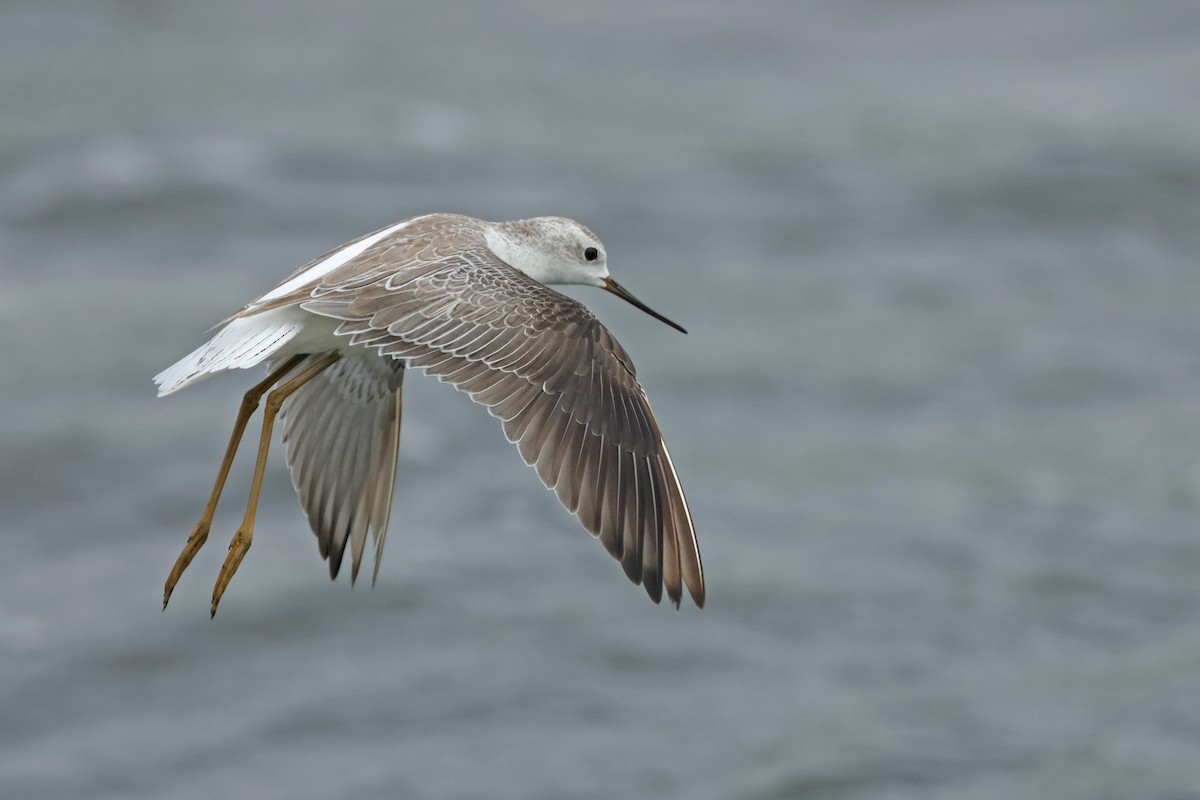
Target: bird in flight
467,301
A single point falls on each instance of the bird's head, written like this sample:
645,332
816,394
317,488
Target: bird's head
560,250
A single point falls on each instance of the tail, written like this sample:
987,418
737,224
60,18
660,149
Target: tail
243,343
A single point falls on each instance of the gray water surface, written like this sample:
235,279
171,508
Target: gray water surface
937,415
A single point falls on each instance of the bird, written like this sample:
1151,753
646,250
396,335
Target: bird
467,301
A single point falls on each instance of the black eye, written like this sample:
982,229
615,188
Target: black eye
591,254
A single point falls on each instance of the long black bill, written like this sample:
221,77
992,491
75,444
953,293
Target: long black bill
623,293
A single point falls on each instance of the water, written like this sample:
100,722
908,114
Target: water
936,416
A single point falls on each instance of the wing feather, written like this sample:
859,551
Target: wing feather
564,390
341,430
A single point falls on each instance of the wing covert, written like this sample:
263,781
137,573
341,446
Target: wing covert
564,389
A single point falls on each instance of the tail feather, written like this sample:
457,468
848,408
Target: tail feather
243,343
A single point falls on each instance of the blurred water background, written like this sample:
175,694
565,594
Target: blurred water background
937,415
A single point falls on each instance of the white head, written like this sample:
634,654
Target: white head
559,250
551,250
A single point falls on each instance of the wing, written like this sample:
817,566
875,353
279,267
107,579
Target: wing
342,431
564,389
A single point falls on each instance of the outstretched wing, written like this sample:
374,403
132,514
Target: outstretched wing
342,431
564,389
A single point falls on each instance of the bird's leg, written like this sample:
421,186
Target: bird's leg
241,540
200,533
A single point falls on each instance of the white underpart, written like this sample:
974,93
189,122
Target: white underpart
331,262
248,341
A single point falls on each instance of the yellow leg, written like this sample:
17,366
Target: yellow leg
245,534
200,533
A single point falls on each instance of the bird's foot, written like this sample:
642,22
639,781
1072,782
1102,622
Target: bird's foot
194,543
237,551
